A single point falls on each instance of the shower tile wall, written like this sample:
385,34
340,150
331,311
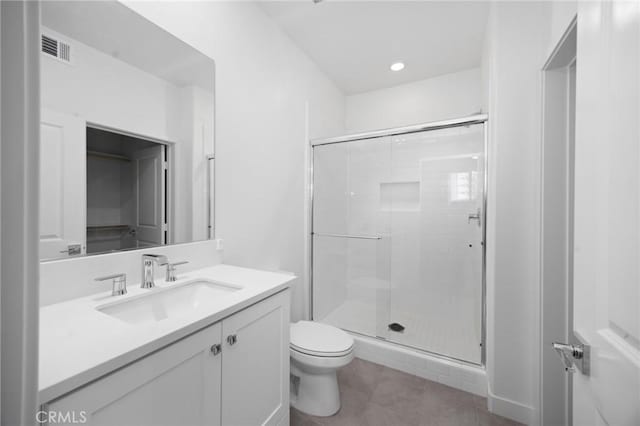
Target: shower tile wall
436,268
346,197
425,273
369,261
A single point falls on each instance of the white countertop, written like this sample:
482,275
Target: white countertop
79,344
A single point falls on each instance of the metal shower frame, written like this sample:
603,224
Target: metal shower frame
436,125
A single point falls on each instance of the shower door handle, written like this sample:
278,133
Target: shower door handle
474,216
358,237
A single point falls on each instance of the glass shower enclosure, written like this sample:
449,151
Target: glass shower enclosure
398,236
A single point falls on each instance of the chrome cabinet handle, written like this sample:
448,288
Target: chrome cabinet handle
232,339
216,349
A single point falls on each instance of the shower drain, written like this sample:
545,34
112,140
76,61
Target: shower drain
397,327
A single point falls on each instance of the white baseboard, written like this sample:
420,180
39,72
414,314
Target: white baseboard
510,409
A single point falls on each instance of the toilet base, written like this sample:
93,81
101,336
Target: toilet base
316,394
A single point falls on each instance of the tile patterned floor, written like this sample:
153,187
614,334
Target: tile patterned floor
374,395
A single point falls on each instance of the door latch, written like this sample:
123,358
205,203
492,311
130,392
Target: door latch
574,357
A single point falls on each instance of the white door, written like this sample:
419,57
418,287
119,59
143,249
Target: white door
149,195
607,213
62,184
255,360
178,385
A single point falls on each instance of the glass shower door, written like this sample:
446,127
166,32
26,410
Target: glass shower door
435,199
350,249
398,239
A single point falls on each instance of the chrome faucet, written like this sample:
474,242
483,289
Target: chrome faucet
148,270
171,271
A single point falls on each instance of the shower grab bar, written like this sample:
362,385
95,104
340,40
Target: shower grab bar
359,237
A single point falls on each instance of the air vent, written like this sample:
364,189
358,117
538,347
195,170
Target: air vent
49,46
56,48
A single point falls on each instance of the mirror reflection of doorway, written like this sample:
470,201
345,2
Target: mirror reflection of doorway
126,192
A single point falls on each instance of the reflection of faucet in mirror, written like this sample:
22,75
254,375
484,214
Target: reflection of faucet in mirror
148,270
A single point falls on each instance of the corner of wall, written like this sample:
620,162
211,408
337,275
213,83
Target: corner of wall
20,161
514,45
510,409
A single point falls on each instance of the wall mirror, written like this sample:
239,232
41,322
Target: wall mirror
127,133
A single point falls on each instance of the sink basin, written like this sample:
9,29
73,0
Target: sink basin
163,303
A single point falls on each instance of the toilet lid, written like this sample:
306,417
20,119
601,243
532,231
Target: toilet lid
319,339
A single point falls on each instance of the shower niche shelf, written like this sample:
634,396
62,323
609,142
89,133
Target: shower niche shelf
400,196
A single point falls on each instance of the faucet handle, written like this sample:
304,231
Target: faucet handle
119,284
171,270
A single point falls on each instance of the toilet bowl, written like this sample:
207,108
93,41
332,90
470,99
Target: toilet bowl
317,351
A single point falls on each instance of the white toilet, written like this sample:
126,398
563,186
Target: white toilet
317,351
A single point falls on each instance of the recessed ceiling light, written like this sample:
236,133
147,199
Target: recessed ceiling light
398,66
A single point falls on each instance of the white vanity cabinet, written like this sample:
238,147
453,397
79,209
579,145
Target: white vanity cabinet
255,364
242,382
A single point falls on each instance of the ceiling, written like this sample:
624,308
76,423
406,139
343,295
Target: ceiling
118,31
355,42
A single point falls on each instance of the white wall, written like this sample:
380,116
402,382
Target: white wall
1,382
19,201
486,64
107,91
264,84
554,390
516,48
562,12
447,96
519,38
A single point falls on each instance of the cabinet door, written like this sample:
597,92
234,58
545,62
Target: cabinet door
178,385
255,360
